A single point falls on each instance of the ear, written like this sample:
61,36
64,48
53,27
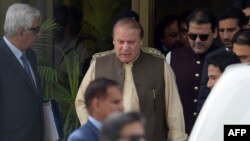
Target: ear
215,33
141,42
20,33
95,103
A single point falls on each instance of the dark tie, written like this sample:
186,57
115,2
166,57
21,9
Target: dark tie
26,67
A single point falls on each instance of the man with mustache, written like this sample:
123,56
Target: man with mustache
231,20
187,63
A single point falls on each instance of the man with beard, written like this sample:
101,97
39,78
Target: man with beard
231,20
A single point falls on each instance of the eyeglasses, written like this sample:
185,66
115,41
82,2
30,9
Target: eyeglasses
203,37
35,30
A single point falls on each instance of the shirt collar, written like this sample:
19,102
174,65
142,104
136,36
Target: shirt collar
165,49
15,50
96,123
131,63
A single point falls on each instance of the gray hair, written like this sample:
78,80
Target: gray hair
129,22
19,16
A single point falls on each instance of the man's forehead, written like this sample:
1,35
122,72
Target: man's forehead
126,28
213,68
241,46
203,26
229,22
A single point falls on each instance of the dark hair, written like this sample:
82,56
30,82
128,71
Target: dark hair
113,125
202,17
241,4
166,21
98,89
131,23
128,13
242,37
182,18
160,29
61,15
235,13
223,59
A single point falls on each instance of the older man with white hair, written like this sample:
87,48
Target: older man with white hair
20,92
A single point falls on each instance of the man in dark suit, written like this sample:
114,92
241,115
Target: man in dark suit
102,97
230,21
20,92
129,126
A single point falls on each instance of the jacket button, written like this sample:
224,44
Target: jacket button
195,100
195,114
196,88
197,75
198,62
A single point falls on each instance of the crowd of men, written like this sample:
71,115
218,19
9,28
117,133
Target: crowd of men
170,92
130,93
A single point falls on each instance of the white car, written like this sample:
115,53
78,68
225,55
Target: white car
227,104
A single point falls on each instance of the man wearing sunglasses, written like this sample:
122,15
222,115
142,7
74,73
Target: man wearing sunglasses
187,63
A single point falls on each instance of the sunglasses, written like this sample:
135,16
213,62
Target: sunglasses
35,30
203,37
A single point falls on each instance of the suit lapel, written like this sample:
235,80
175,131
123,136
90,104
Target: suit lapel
12,61
94,130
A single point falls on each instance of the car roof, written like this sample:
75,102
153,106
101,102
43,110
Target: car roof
228,103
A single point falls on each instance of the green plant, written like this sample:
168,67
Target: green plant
96,37
99,15
43,49
71,121
55,85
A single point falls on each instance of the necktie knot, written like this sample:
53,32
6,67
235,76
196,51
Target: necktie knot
24,58
27,67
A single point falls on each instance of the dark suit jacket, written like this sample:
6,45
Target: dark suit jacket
204,90
21,116
188,67
87,132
